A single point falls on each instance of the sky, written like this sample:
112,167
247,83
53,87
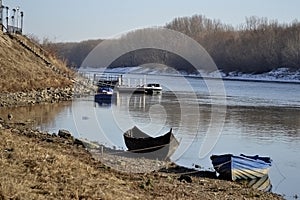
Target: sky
78,20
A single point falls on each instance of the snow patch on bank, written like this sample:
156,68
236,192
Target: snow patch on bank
276,75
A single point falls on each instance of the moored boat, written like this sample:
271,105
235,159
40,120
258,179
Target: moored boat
103,94
161,147
233,167
152,88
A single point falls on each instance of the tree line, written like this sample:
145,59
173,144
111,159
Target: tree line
259,45
72,52
256,46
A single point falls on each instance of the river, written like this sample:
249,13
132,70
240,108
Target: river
249,117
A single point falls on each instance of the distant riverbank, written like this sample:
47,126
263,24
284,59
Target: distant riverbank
280,75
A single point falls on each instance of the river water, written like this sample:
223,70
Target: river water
249,117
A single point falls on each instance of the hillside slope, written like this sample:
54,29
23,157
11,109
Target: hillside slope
24,66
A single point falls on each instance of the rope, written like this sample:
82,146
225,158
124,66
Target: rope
187,173
137,150
283,177
220,165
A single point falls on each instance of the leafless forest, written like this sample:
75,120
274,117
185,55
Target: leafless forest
256,46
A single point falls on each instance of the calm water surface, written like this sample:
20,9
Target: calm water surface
261,118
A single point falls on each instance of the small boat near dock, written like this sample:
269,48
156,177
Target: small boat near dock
233,167
153,88
103,94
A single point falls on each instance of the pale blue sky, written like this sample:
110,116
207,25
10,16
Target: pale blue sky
74,20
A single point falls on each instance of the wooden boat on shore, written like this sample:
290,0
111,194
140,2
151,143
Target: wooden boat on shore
233,167
161,147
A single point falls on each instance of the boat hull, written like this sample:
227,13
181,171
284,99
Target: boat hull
100,97
104,95
161,147
241,167
153,88
262,184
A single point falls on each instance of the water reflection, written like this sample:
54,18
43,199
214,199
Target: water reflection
104,102
266,122
138,102
255,122
40,115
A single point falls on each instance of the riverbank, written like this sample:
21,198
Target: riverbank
80,87
30,75
37,165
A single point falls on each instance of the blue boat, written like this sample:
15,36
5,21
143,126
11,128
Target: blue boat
233,167
104,94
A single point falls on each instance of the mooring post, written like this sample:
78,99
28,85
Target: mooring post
1,15
94,79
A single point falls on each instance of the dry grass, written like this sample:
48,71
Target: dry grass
35,170
21,70
41,166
